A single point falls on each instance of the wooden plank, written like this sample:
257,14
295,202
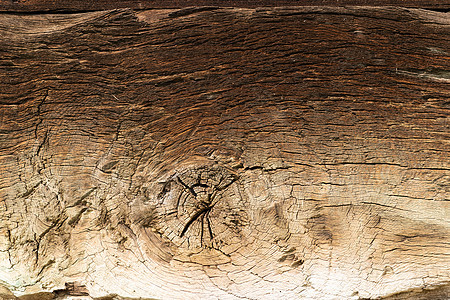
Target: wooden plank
81,5
275,153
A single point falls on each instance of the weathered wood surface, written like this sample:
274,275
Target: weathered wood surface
276,153
83,5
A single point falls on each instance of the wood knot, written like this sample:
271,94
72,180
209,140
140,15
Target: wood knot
202,207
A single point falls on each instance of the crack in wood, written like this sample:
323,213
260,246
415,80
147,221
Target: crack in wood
188,6
206,205
40,119
202,212
200,190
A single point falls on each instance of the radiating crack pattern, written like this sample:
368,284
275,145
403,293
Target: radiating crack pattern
201,196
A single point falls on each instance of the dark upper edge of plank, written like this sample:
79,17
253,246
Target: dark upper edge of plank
42,6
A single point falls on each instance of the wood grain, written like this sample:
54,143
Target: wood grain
80,5
225,153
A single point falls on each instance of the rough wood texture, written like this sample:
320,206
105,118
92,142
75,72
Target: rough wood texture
206,153
83,5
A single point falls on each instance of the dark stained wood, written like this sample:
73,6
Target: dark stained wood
437,293
275,153
82,5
